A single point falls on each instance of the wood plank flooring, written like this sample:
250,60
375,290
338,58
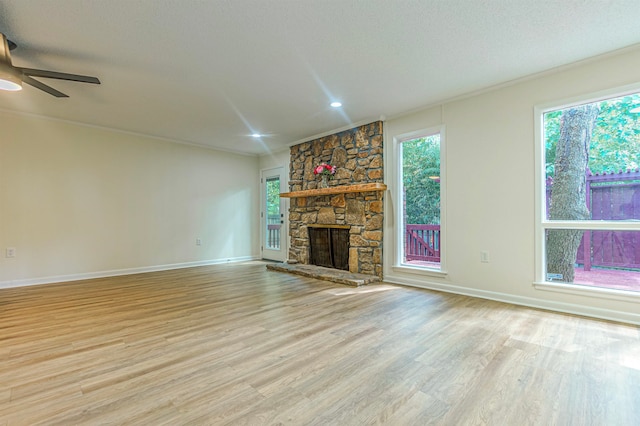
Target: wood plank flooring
239,345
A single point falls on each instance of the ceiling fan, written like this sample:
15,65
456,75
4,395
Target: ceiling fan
12,77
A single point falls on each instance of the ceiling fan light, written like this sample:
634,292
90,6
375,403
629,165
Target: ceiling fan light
10,79
9,85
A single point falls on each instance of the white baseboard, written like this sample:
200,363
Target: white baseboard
569,308
116,272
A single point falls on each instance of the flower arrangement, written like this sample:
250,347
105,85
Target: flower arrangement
325,169
326,172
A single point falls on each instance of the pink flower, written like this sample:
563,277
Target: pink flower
324,169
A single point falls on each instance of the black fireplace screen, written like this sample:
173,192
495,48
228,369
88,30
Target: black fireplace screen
329,247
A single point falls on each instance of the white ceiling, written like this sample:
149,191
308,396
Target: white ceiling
211,72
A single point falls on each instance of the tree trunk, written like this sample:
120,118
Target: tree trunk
568,195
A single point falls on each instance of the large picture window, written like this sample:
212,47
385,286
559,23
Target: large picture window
589,198
420,188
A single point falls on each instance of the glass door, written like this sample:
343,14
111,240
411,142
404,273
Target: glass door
274,244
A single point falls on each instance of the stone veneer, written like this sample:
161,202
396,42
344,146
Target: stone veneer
357,154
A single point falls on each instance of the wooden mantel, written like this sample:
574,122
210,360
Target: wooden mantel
342,189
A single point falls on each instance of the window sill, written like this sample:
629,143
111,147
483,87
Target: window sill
582,290
419,271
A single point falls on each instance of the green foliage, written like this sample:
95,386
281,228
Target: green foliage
615,143
273,197
421,179
551,136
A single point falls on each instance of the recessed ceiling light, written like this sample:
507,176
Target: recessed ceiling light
256,135
336,104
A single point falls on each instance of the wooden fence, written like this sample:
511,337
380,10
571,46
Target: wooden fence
612,196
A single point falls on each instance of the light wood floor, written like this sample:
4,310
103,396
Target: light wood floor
236,344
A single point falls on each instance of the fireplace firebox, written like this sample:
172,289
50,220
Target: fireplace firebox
329,247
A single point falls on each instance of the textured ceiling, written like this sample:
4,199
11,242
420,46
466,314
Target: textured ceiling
212,72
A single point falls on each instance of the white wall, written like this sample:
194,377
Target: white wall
490,187
78,201
276,159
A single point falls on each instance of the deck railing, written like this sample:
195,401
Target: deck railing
273,231
422,242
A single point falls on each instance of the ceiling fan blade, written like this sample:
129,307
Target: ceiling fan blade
50,90
59,75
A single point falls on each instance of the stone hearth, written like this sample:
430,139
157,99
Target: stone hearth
328,274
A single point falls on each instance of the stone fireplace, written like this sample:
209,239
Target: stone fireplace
353,201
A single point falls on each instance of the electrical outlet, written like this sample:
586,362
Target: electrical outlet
198,242
11,252
484,256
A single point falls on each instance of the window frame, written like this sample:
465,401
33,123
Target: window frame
542,224
398,264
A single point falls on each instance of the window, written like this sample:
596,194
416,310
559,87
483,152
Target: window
589,197
420,233
272,207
